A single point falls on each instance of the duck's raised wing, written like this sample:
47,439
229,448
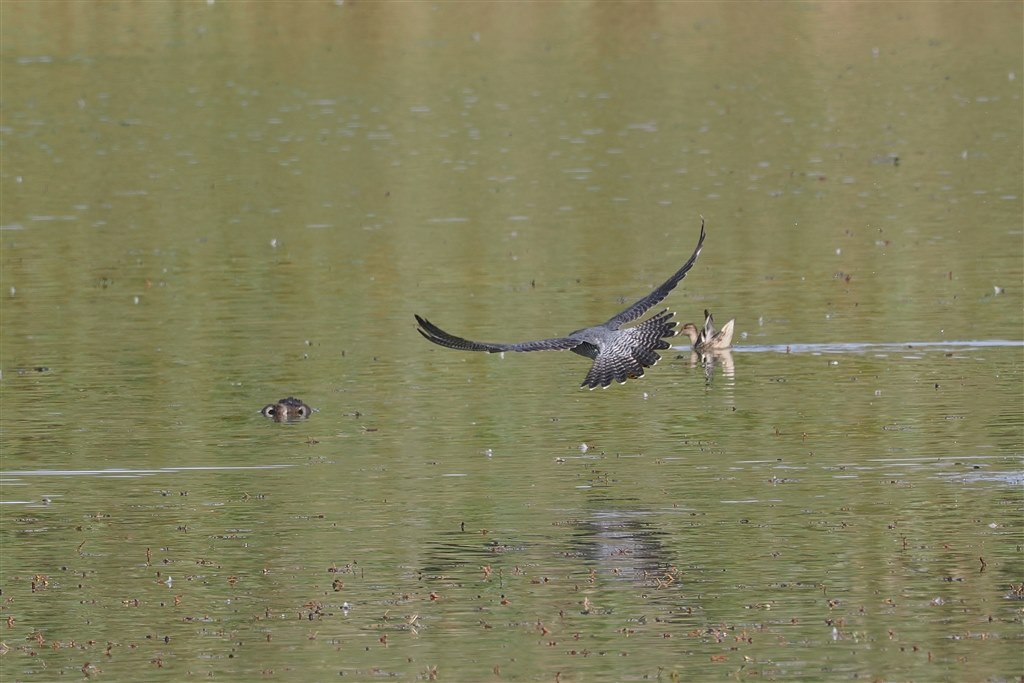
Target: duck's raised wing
656,297
435,334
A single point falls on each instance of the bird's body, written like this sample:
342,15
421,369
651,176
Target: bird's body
618,354
707,338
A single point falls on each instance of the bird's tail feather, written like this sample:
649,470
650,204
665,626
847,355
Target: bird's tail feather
637,349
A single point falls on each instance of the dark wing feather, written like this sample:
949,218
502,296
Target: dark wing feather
435,334
609,366
655,297
707,333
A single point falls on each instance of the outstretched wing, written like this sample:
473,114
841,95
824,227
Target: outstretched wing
707,333
656,297
435,334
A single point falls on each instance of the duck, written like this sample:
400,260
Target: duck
287,410
706,338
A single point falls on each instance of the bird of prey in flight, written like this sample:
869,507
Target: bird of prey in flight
618,354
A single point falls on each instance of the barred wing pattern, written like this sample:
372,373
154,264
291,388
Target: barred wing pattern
659,294
630,351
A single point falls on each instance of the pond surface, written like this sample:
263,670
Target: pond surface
209,207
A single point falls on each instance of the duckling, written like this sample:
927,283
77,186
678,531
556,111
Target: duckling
287,410
707,339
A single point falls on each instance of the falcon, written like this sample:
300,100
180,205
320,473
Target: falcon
618,353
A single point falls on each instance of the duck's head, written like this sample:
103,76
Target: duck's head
691,331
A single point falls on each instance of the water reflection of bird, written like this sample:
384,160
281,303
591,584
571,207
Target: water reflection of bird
707,338
617,354
710,360
628,542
